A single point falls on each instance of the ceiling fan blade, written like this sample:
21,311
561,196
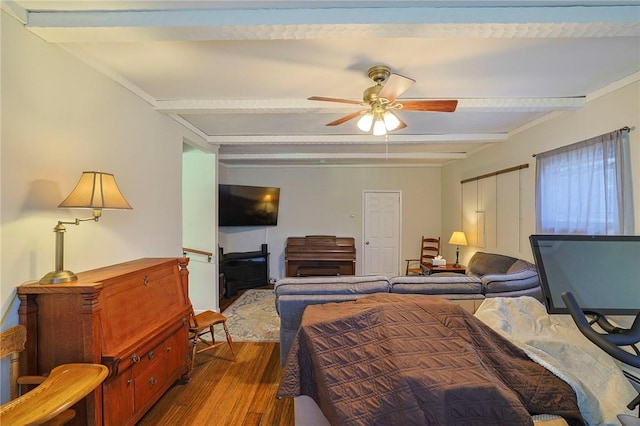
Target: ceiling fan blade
395,86
344,101
344,119
429,105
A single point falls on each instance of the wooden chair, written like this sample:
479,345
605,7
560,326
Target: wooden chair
429,249
202,324
49,403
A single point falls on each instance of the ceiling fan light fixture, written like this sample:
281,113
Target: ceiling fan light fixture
365,122
379,128
384,94
391,122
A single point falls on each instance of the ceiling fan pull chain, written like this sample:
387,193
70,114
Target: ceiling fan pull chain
386,148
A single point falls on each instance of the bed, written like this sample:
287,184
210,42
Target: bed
419,360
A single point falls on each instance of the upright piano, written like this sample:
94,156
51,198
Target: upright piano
320,255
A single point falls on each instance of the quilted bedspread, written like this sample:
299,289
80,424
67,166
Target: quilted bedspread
391,359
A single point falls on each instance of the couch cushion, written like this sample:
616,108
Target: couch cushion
438,284
499,283
331,285
489,263
341,285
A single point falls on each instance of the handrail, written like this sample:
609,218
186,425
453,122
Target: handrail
204,253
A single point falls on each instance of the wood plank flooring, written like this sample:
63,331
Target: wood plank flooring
223,392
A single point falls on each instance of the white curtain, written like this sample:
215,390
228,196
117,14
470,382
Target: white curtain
586,187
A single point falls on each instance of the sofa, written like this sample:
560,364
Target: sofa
487,275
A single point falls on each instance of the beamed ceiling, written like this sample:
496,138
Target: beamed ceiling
239,73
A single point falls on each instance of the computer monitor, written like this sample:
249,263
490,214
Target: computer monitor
601,271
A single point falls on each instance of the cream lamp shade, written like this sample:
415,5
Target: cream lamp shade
94,190
458,238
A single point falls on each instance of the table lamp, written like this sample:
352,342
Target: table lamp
459,239
97,191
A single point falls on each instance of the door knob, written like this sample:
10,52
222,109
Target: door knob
367,243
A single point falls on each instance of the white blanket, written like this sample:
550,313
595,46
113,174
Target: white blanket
555,342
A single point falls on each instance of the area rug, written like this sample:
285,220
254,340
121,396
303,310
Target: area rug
252,318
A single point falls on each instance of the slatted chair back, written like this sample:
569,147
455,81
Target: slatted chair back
12,343
429,249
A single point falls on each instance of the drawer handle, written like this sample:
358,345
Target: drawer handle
152,380
150,354
145,280
135,358
168,348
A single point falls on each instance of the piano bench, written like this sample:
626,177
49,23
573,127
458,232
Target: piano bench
319,270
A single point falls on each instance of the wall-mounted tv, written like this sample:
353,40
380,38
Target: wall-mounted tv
241,205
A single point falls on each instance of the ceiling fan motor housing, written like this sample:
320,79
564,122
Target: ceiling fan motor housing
379,73
370,95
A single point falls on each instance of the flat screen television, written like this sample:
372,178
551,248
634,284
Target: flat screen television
242,205
601,271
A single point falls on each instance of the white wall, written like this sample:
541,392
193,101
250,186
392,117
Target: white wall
603,114
199,225
59,118
322,200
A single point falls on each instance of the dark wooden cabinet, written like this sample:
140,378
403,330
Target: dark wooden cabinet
132,317
245,270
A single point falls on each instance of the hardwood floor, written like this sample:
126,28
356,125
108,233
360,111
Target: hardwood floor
223,392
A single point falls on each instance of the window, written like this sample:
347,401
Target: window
585,188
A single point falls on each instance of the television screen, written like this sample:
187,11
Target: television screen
601,271
240,205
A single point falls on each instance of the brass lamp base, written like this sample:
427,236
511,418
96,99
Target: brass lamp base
58,277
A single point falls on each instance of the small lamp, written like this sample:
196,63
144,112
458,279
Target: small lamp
97,191
391,122
379,128
380,120
459,239
365,122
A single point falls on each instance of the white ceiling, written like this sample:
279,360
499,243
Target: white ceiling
239,73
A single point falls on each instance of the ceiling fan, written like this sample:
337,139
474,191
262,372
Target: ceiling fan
381,100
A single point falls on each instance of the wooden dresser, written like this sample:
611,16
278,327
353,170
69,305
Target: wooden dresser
132,317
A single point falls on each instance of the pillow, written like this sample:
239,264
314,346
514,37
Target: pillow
521,265
489,263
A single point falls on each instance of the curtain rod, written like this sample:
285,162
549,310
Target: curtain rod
621,129
499,172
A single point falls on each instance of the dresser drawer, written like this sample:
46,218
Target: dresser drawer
118,394
149,379
177,351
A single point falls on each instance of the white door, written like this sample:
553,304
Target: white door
381,223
